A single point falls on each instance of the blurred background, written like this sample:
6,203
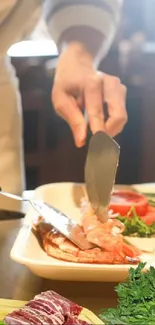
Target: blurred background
50,154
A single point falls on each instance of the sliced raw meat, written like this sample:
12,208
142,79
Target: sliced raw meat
12,319
72,320
36,317
59,303
47,308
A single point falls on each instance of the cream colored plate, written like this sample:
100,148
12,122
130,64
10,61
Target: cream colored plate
145,188
26,249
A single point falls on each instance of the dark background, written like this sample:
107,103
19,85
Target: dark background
50,154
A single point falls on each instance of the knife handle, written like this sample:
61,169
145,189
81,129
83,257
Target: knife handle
10,215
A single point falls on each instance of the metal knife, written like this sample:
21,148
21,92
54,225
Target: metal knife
58,220
65,225
100,172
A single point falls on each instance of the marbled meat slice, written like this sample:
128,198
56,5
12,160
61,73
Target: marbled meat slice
40,304
73,320
47,308
59,303
35,317
12,319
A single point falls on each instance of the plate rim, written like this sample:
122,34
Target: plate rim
27,226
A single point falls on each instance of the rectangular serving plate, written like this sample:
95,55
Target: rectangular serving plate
26,249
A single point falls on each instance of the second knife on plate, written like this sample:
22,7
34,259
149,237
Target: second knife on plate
100,172
55,219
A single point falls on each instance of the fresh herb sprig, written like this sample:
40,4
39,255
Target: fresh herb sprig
135,226
136,300
151,202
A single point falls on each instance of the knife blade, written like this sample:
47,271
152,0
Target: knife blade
65,225
56,219
100,172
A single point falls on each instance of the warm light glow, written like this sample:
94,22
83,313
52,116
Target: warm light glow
33,48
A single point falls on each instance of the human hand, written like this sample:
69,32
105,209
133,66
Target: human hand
78,86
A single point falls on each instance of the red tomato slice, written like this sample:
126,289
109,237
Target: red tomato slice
150,208
149,217
122,201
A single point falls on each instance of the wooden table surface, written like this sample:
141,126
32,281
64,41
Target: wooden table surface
17,282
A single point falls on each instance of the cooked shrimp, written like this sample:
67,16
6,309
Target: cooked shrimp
59,247
111,248
95,255
105,235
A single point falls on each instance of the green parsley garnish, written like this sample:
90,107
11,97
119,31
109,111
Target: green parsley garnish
135,226
136,300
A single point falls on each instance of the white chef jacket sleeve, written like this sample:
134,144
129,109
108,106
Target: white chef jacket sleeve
17,19
92,22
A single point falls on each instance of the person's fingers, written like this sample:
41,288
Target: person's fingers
93,97
117,115
115,96
66,106
80,101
